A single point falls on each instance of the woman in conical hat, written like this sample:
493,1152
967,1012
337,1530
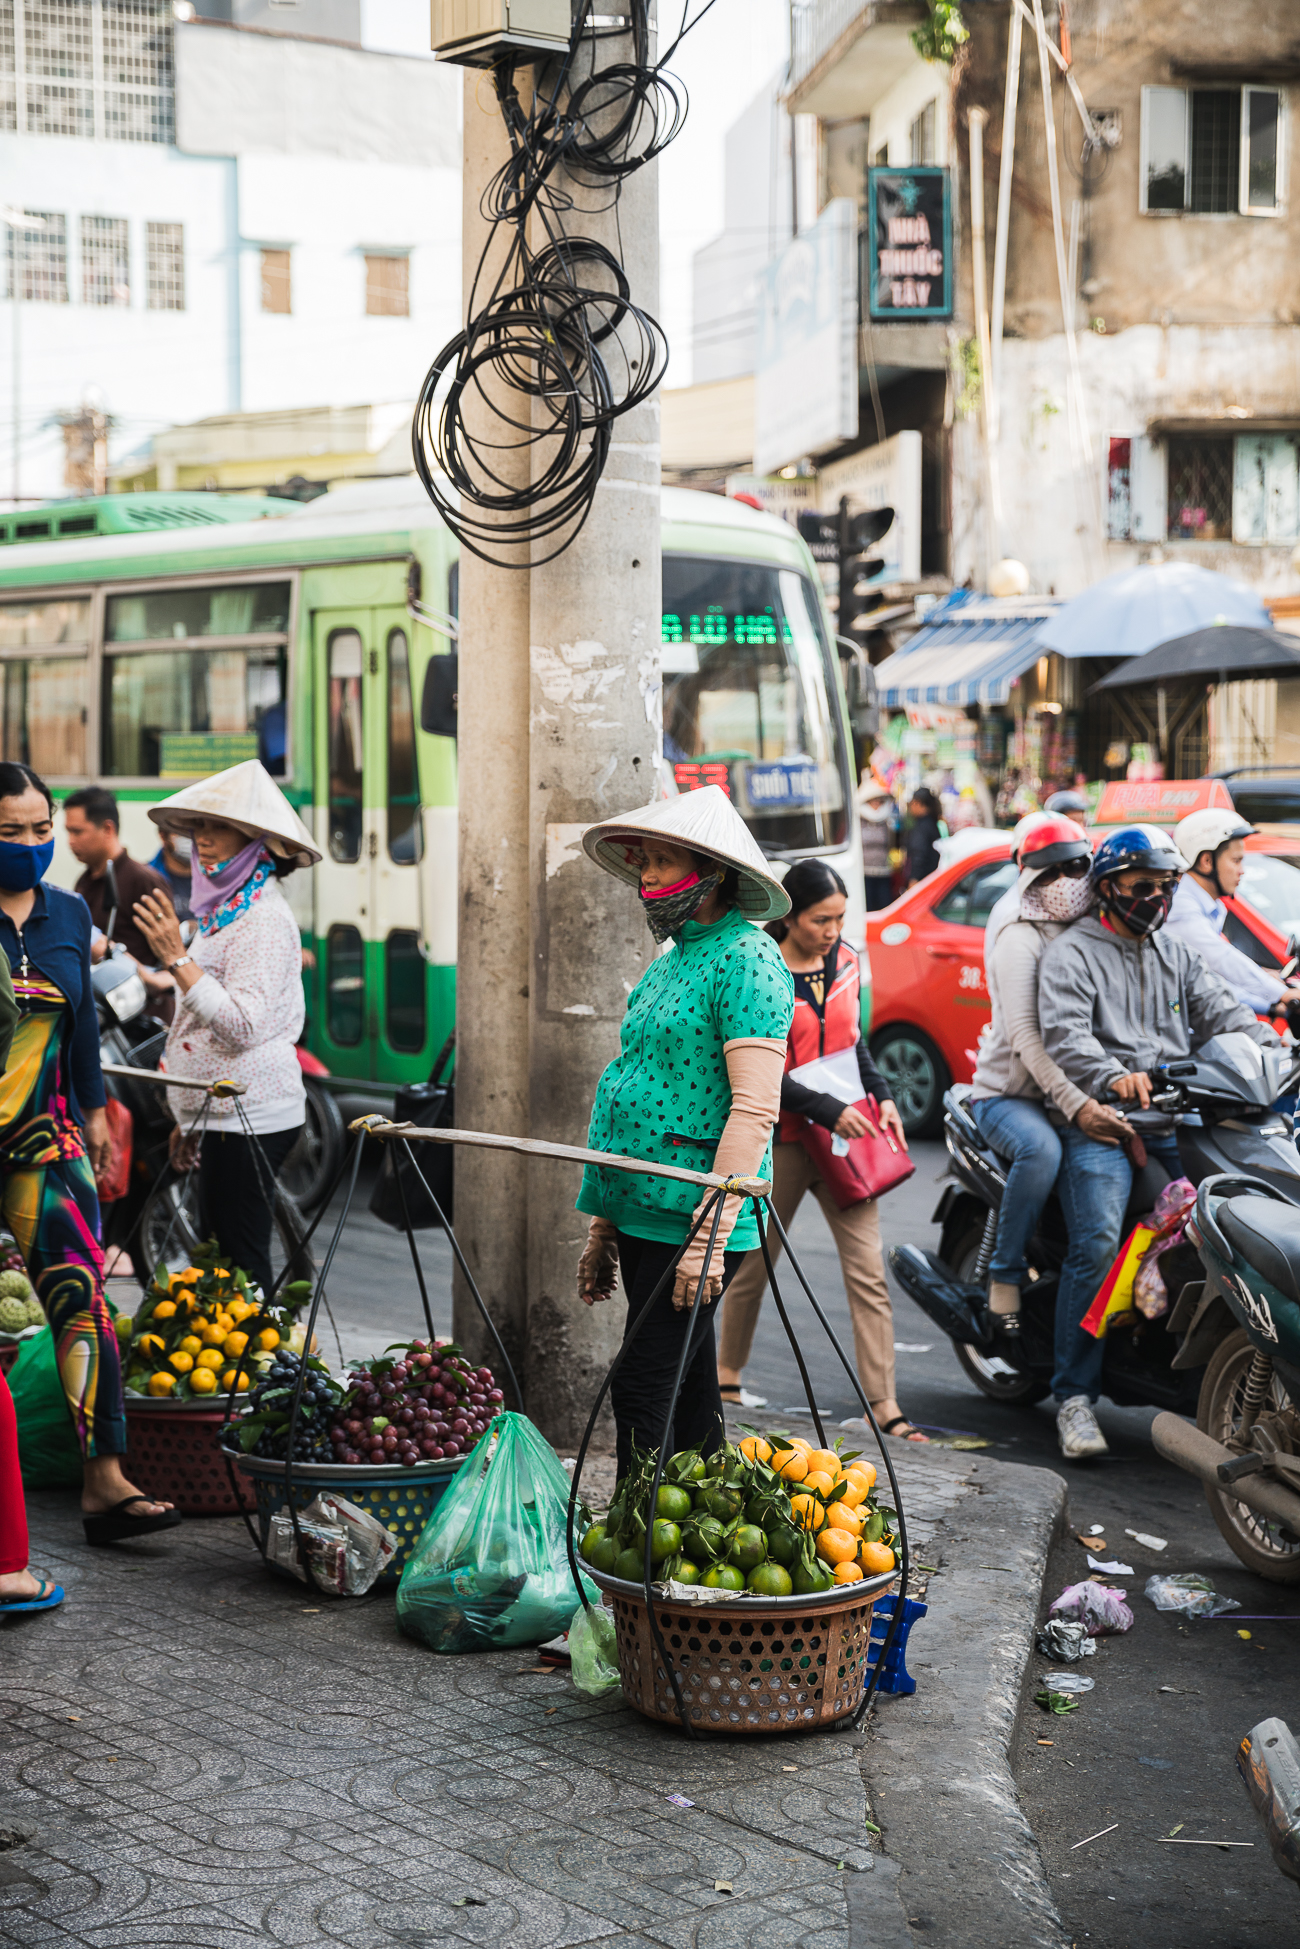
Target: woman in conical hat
697,1082
241,998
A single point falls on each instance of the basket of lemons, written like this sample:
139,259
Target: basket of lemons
197,1334
766,1560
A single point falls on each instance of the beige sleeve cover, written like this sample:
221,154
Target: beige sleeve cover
754,1071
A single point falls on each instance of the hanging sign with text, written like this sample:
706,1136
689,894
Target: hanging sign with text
909,236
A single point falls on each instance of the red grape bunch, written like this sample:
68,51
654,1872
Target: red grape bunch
426,1405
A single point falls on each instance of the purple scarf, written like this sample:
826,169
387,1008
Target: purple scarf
209,890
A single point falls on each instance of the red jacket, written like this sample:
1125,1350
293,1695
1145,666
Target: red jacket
814,1034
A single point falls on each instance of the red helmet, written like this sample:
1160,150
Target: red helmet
1048,839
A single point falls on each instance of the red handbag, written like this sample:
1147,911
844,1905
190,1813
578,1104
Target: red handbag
871,1166
116,1179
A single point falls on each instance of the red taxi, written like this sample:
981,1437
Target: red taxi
930,1000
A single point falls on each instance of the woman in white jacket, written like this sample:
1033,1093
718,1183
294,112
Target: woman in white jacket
241,999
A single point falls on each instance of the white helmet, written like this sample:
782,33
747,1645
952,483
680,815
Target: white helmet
1209,832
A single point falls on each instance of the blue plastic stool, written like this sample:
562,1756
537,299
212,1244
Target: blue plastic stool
895,1677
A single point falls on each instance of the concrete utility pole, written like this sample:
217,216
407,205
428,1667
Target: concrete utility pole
559,687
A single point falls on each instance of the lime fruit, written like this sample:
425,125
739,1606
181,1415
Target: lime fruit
723,1576
673,1503
783,1542
807,1582
596,1534
748,1547
770,1580
665,1541
630,1565
703,1537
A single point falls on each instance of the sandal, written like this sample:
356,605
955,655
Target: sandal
113,1526
901,1421
46,1599
739,1397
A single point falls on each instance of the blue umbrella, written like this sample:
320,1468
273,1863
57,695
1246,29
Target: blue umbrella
1129,613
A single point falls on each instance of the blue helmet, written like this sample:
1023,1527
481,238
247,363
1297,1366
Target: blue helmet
1144,846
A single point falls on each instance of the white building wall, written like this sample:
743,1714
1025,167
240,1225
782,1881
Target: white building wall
893,114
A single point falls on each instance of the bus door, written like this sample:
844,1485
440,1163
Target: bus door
371,981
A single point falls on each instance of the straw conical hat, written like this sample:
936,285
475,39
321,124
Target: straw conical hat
703,821
248,798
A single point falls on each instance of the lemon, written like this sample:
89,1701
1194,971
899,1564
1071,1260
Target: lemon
181,1361
161,1383
210,1359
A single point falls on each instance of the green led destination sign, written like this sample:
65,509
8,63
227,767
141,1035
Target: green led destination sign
716,627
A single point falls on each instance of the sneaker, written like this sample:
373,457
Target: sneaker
1076,1424
740,1397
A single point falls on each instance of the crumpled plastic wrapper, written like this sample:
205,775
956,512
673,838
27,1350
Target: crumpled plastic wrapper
1188,1591
1068,1642
347,1548
1096,1606
1169,1218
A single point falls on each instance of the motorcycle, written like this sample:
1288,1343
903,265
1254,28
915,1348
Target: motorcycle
1220,1105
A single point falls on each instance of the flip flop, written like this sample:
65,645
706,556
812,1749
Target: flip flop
47,1598
901,1421
113,1526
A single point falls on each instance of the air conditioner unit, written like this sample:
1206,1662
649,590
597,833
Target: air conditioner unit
474,32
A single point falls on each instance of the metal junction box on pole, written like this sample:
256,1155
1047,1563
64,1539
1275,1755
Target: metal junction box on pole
474,32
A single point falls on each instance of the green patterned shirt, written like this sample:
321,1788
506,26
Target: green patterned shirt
666,1095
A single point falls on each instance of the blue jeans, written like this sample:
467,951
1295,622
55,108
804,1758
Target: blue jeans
1096,1180
1018,1130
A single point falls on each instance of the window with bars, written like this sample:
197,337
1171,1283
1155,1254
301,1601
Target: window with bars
1200,487
105,261
91,68
277,294
164,253
1211,151
920,136
387,286
36,259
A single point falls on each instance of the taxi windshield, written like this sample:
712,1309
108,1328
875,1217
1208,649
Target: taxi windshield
750,701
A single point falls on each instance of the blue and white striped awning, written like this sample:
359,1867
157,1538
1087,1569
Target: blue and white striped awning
970,650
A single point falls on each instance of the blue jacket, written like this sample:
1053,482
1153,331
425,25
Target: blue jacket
56,934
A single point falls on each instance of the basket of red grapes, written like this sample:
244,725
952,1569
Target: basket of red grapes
420,1403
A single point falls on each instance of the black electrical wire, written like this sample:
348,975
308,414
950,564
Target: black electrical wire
555,351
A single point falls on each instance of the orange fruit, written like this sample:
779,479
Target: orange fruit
794,1467
853,1489
755,1449
151,1343
233,1345
181,1361
822,1458
844,1516
818,1479
837,1545
847,1573
808,1512
228,1381
864,1473
191,1344
203,1381
268,1339
165,1309
875,1557
210,1333
210,1359
161,1383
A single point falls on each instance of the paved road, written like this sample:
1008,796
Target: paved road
1148,1758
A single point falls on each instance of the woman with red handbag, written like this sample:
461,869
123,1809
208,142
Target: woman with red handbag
810,1153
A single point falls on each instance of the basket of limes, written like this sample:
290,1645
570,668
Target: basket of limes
196,1335
767,1559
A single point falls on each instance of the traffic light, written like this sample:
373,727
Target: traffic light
845,538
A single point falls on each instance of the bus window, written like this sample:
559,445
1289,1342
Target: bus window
38,625
749,699
404,985
186,712
44,714
345,986
182,615
347,796
403,784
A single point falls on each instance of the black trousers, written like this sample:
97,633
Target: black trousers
233,1200
643,1385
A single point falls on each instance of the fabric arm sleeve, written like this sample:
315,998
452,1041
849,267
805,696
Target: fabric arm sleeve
754,1072
259,967
83,1050
1065,1003
1016,973
873,1083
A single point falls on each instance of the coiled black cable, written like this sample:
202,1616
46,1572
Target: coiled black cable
555,351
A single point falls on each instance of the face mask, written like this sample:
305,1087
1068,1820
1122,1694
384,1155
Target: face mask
23,867
1143,913
668,911
878,815
180,844
1061,899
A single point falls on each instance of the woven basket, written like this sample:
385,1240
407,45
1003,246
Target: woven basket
764,1665
401,1499
175,1456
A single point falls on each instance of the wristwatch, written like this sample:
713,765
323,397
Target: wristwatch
186,961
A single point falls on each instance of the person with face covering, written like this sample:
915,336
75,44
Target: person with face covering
241,1005
1117,996
696,1083
1015,1079
53,1139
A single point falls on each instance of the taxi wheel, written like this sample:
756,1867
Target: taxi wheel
916,1074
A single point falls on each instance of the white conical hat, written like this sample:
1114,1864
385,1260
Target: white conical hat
703,821
248,798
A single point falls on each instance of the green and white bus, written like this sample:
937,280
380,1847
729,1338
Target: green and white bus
153,638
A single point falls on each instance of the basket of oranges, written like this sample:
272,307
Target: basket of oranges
197,1335
767,1559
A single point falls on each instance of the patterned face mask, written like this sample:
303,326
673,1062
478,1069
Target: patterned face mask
667,912
1062,899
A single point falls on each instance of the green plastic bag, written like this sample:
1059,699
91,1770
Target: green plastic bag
593,1651
47,1446
491,1568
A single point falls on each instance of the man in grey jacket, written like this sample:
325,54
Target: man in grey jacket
1116,998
